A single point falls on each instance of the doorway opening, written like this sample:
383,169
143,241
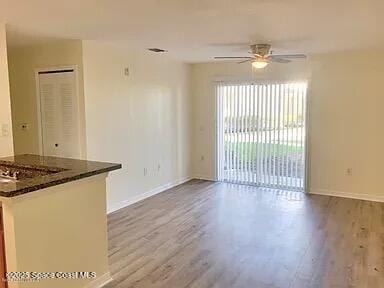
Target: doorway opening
261,134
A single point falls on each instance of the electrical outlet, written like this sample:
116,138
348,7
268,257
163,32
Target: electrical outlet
126,71
202,158
349,171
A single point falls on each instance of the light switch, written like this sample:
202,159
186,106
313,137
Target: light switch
4,130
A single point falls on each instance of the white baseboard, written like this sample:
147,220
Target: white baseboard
116,206
368,197
203,177
100,281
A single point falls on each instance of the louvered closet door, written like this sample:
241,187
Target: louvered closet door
261,134
59,114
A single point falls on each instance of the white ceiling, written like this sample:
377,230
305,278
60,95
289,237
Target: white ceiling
197,30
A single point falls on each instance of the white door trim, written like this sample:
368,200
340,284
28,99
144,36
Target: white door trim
307,154
38,101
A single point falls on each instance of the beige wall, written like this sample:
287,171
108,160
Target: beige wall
6,143
346,100
47,231
23,61
141,120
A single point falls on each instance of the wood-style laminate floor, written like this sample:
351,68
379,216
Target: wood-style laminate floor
205,234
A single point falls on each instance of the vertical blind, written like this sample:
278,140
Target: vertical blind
261,133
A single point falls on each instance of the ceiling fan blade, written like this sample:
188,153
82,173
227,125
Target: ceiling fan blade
289,56
278,60
245,61
230,57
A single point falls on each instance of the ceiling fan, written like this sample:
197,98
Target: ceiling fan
262,56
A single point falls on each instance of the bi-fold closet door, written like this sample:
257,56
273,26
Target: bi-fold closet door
59,113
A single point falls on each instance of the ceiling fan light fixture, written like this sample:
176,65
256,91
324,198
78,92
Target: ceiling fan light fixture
259,64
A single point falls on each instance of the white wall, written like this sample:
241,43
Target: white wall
6,141
346,118
23,62
141,120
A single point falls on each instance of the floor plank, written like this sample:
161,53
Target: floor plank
206,234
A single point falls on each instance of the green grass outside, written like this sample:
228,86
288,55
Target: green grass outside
247,150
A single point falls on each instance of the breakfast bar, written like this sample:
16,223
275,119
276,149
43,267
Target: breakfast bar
54,223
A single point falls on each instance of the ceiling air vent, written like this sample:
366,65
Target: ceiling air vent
157,50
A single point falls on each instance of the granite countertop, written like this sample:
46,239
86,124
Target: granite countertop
42,172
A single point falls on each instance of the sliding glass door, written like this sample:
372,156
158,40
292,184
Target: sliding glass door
261,134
